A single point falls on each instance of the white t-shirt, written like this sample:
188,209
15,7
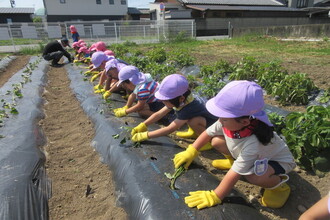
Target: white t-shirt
248,149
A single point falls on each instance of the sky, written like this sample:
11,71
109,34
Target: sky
39,4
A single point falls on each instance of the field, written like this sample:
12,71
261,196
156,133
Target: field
71,170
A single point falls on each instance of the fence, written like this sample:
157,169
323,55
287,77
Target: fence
143,31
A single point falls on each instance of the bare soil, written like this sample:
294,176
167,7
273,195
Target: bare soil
72,164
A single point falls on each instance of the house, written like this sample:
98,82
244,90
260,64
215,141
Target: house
138,13
85,10
215,17
9,15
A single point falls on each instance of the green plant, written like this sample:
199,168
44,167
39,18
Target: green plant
157,54
325,97
211,86
180,58
278,121
159,71
246,69
294,89
308,134
178,172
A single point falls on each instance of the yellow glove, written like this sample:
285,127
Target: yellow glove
140,128
202,199
117,109
77,55
185,157
95,72
120,112
98,87
88,72
76,61
99,91
106,94
88,59
139,137
94,77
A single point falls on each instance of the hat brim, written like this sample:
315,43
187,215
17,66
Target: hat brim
217,111
160,96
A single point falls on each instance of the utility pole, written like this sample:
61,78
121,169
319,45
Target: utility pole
12,3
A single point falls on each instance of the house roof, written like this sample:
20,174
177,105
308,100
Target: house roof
16,10
233,2
240,8
137,11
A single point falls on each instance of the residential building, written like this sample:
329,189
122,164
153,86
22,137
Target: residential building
9,15
85,10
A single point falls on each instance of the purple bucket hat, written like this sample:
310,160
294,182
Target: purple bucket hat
239,98
172,86
98,58
131,73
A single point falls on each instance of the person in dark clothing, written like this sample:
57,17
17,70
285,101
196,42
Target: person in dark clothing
55,50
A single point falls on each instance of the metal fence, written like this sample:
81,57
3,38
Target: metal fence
142,31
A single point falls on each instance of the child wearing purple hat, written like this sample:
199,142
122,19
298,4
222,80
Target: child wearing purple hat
174,92
112,68
246,137
143,88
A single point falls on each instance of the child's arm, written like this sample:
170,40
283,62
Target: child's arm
157,116
228,182
203,199
319,210
176,124
139,106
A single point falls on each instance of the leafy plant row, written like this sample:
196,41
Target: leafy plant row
9,108
307,135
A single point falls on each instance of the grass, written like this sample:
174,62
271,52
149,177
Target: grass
36,50
19,41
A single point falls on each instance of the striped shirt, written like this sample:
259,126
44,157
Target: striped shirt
146,91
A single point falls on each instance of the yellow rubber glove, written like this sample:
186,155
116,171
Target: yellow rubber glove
106,94
202,199
77,55
139,137
121,112
140,128
76,61
99,91
95,72
94,77
88,72
185,157
98,87
117,109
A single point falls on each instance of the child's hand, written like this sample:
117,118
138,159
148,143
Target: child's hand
139,137
120,112
185,157
202,199
106,94
140,128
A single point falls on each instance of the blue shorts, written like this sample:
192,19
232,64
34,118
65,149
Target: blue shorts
155,106
277,167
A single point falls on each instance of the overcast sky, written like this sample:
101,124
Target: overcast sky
38,3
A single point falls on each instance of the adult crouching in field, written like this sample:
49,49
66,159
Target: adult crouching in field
54,51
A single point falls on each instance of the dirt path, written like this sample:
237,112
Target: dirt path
13,68
72,164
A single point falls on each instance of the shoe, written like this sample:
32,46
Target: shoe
277,196
187,134
57,65
223,164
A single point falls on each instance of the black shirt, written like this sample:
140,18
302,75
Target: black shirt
55,46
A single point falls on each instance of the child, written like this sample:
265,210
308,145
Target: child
143,88
319,211
244,133
100,46
175,94
112,69
74,34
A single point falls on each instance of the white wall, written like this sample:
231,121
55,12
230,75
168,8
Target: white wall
155,6
85,7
